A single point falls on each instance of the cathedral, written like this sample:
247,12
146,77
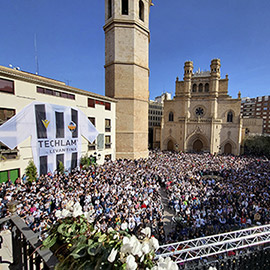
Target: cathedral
202,117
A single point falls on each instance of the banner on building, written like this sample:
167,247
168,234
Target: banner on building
56,133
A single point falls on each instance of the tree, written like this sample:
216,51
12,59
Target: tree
31,171
61,168
257,145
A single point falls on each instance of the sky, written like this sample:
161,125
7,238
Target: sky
71,42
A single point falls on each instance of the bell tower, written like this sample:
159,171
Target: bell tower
127,72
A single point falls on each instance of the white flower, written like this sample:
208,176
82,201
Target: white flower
110,230
131,246
165,264
136,247
126,248
146,247
112,255
131,263
89,217
58,214
65,213
77,210
154,243
146,231
69,205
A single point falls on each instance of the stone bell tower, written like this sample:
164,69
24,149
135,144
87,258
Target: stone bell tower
127,73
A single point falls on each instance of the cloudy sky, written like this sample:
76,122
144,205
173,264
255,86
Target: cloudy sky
70,41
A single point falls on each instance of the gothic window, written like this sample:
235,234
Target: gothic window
200,87
230,117
207,87
141,10
171,117
109,9
194,88
124,7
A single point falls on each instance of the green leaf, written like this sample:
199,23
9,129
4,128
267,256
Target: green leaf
79,251
50,241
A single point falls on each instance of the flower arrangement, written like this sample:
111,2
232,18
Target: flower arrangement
78,246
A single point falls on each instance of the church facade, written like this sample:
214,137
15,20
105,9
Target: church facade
202,117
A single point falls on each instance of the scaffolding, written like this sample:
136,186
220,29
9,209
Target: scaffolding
203,247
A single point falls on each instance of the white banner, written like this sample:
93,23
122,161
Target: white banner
56,134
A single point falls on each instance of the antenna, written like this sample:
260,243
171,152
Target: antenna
36,54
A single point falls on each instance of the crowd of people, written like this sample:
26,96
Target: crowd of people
208,194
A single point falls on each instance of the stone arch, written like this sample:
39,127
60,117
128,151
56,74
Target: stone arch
228,145
197,143
169,144
194,88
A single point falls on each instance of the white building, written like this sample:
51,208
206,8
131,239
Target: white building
19,88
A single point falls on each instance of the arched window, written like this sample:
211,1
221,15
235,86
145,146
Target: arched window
194,88
109,9
124,7
206,87
230,117
171,117
200,87
141,10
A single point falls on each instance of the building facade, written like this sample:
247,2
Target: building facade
155,113
259,108
127,72
202,116
18,89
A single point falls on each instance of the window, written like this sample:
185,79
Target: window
92,120
91,103
109,9
171,117
141,10
40,90
207,87
92,146
194,88
107,125
230,117
107,106
107,142
200,87
6,86
5,152
124,7
6,114
51,92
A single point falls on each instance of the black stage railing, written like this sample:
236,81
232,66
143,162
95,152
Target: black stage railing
26,247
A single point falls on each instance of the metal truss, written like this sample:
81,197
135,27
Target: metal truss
216,244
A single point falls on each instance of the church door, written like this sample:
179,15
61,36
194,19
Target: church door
198,146
170,145
227,149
